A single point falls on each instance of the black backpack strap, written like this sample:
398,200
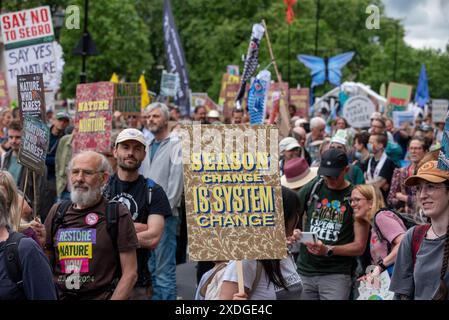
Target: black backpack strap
12,259
58,218
312,195
112,216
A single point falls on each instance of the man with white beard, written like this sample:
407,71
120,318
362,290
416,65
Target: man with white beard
89,260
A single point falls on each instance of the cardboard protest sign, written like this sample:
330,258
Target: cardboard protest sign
34,144
229,102
300,99
93,118
26,27
398,97
439,110
443,158
225,81
275,87
31,95
4,96
233,193
202,99
127,98
401,117
358,110
169,84
376,289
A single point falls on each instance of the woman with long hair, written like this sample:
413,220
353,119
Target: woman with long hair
422,261
387,229
20,210
35,279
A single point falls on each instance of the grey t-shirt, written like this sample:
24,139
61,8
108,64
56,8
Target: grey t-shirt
422,282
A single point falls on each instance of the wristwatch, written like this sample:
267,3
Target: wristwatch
382,266
329,252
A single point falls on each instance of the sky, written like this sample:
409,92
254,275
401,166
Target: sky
426,22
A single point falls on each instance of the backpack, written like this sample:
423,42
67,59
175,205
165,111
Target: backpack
408,223
150,184
211,288
112,216
12,259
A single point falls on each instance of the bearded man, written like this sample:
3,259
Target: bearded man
87,262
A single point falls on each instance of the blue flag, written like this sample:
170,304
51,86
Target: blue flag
422,91
176,60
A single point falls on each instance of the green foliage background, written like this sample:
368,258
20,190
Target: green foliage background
128,34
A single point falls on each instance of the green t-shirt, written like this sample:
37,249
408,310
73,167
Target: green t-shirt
331,217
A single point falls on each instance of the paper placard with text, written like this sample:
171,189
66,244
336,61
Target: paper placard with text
233,192
439,110
31,95
93,117
34,144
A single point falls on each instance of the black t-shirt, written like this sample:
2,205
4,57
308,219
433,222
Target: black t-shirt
135,196
385,172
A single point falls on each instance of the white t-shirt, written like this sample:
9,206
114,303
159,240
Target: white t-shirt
292,280
264,288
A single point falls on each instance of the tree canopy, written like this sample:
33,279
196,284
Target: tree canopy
128,34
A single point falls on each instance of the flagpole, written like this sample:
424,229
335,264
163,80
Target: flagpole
288,53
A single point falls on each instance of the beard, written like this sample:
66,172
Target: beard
155,129
128,167
84,195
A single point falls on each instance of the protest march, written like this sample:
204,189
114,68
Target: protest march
246,151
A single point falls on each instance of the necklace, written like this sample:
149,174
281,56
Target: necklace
438,236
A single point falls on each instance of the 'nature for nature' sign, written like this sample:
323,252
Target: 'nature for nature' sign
93,118
233,193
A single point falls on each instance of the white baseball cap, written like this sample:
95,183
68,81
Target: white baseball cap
130,134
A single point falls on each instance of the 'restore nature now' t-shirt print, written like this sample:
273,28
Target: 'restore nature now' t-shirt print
86,260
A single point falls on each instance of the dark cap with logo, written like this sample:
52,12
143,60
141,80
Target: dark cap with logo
333,161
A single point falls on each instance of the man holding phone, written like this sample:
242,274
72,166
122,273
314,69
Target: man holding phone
326,265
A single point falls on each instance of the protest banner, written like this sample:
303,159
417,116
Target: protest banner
30,48
398,97
31,96
4,96
26,27
358,110
403,117
34,144
233,194
225,81
93,117
169,84
229,102
275,87
443,158
202,99
127,98
439,110
300,99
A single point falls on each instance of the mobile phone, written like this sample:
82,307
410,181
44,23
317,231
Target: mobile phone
309,237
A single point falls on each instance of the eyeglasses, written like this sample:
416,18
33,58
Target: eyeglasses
356,200
87,173
429,187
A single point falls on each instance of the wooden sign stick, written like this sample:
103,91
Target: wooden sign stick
17,222
284,125
35,195
240,277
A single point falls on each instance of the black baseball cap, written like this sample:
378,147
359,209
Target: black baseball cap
332,162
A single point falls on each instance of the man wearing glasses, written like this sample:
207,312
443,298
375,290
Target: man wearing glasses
86,261
326,266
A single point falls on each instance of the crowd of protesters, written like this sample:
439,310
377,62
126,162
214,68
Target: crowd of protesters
371,196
